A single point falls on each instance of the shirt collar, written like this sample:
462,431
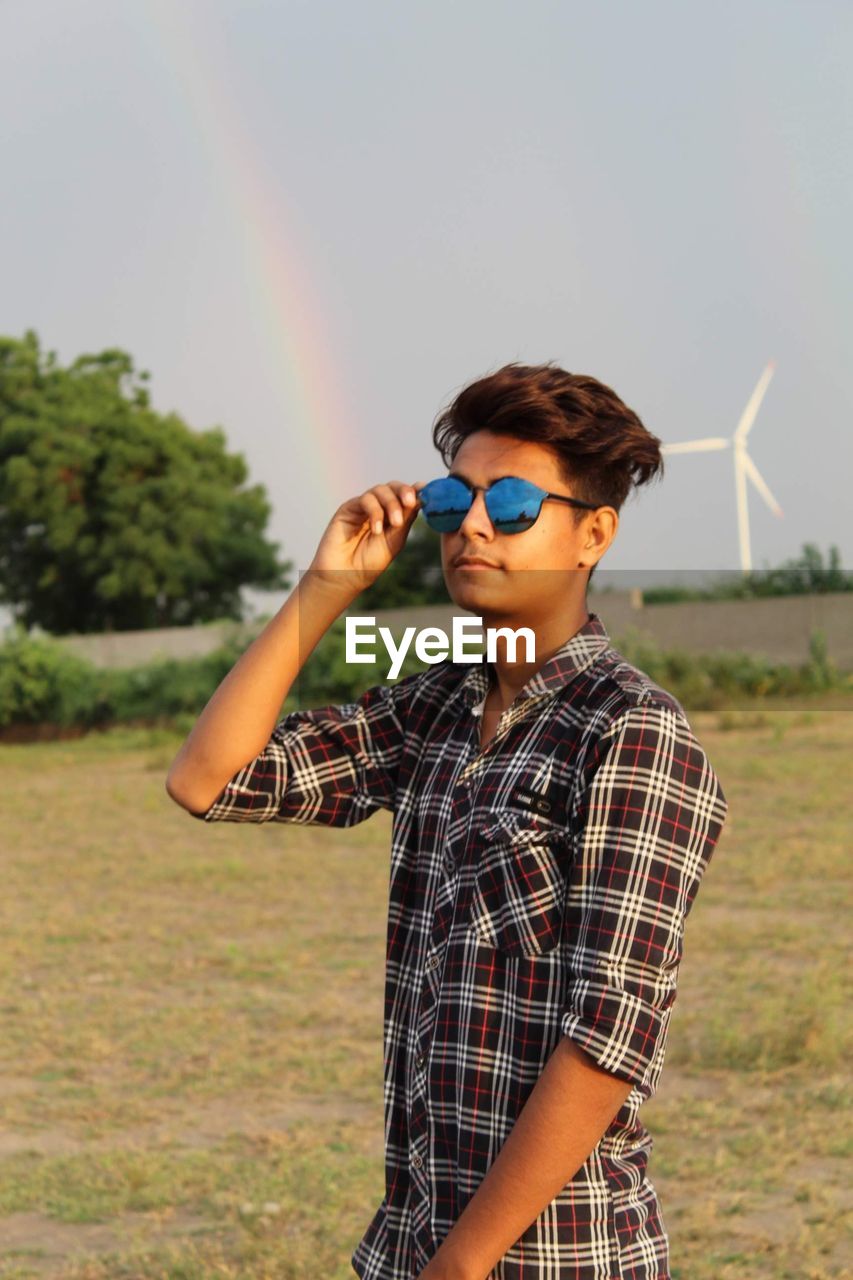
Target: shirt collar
574,656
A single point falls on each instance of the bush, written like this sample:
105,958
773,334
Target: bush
706,681
42,683
169,687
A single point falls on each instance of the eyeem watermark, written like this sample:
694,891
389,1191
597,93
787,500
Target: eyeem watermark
432,644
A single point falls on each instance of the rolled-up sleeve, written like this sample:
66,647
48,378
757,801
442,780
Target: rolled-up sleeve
330,766
647,825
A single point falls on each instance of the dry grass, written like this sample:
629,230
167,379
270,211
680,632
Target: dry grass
191,1062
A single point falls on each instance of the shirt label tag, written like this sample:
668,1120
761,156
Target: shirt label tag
531,800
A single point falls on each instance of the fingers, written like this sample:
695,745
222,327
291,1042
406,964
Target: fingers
393,502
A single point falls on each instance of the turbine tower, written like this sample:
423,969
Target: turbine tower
744,466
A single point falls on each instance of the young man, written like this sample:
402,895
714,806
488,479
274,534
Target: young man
552,822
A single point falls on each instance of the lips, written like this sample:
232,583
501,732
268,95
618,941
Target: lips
461,561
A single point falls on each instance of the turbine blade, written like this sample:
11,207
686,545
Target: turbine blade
697,446
748,416
757,479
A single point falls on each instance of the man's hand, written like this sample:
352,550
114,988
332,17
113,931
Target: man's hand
364,536
570,1107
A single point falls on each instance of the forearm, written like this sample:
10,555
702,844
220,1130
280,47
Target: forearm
237,722
569,1108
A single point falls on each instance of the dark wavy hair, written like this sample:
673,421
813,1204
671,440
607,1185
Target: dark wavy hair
603,449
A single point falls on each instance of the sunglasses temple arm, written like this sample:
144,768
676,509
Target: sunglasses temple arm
574,502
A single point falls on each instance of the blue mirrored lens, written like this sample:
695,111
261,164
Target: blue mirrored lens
446,502
513,504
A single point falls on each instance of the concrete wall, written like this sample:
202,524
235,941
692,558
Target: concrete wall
134,648
777,628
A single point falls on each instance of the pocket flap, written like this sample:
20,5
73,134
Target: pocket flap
514,826
519,887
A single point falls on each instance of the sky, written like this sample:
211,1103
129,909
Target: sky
313,223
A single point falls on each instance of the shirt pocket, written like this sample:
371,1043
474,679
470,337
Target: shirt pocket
519,893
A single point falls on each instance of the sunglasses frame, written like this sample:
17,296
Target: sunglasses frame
474,489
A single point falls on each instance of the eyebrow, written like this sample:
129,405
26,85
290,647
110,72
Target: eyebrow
457,475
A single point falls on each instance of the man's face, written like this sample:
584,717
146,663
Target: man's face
555,555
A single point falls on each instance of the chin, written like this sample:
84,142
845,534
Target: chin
479,596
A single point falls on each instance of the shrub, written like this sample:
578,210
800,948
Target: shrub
42,683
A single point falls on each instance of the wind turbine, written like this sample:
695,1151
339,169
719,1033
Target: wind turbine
744,466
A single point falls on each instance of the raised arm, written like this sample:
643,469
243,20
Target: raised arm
362,539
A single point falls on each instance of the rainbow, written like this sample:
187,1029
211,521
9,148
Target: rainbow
283,295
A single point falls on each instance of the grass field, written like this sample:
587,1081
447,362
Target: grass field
191,1057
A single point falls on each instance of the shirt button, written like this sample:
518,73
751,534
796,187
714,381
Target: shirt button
432,962
419,1060
449,862
417,1161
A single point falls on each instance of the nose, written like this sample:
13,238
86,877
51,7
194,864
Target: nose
477,518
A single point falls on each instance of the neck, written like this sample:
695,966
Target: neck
507,679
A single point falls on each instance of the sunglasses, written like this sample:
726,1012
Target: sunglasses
513,504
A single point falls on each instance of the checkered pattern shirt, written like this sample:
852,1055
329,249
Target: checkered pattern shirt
538,889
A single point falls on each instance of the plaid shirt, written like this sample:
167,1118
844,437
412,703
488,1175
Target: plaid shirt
538,889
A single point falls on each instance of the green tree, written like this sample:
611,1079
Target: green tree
804,575
113,516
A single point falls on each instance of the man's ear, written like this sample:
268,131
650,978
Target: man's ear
601,531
